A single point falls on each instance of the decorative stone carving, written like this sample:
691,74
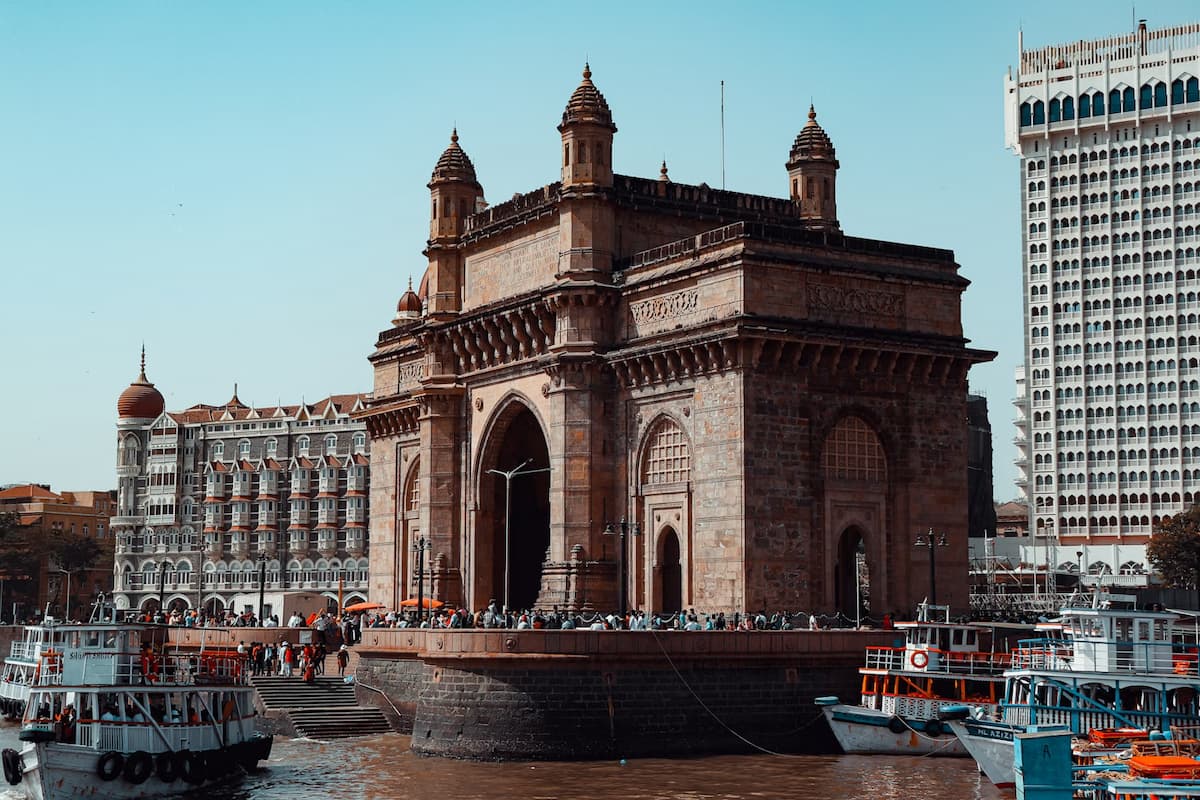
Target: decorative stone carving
668,306
545,390
857,301
408,374
479,404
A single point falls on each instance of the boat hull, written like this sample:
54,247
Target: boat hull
991,745
861,730
58,772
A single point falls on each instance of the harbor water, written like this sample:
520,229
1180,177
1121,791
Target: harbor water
374,768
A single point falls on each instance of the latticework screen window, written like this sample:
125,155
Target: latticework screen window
853,452
668,459
413,495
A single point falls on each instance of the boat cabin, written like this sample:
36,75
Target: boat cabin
933,643
1117,640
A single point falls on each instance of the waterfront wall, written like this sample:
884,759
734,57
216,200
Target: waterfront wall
608,694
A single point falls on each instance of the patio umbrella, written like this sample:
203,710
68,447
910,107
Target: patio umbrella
364,606
425,602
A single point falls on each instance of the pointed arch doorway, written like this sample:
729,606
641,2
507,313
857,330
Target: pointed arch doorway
670,573
852,575
514,526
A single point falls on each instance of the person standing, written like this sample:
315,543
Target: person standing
343,659
288,658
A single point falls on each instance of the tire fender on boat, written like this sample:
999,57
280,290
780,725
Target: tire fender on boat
110,765
896,725
166,768
934,727
138,767
13,771
191,766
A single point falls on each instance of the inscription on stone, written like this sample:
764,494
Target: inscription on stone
668,306
520,267
841,300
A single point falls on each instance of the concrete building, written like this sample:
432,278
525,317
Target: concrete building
218,500
1108,420
49,518
619,388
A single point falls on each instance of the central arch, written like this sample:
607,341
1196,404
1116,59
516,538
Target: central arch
670,573
852,575
512,547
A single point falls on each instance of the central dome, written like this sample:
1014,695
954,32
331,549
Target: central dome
140,400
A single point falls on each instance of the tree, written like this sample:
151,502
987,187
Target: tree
19,560
73,552
1174,549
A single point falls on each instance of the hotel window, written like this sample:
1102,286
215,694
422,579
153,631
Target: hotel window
302,445
360,441
244,448
218,450
272,447
330,444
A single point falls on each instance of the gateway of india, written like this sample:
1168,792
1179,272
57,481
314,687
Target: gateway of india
618,391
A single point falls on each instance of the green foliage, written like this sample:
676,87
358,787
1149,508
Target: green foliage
1174,549
73,552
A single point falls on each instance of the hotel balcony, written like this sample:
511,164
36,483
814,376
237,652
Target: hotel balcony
127,521
356,539
327,541
297,540
214,547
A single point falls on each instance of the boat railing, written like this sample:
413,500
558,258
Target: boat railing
24,651
1108,655
936,660
141,668
127,737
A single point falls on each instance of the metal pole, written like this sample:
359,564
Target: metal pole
507,550
262,584
932,570
67,612
420,580
162,584
624,529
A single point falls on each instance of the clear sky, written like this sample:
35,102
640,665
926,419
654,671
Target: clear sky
241,186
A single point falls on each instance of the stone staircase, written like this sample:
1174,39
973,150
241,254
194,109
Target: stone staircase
323,709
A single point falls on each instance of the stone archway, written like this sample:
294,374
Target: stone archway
513,532
670,573
852,575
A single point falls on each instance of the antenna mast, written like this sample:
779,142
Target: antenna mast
722,135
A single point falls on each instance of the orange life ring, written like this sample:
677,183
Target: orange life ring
919,659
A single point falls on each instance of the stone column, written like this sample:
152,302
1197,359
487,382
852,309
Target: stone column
441,490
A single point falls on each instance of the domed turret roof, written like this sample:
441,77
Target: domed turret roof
454,165
409,307
812,143
587,104
140,400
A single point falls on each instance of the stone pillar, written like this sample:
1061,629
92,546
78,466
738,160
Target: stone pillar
441,489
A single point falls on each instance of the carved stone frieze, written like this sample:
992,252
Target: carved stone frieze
668,306
840,299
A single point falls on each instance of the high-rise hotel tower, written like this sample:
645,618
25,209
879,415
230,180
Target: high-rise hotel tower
1108,428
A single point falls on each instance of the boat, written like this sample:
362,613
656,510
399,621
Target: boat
112,713
939,664
1107,668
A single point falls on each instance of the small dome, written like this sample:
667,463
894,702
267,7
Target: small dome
812,143
140,400
454,165
587,104
409,307
423,288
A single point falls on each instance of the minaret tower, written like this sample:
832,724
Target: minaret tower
454,192
586,229
812,176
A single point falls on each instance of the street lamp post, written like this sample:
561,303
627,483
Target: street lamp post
1079,567
622,528
421,546
262,583
927,541
508,475
67,605
162,585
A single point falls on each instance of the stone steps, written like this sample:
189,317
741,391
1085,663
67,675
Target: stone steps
326,708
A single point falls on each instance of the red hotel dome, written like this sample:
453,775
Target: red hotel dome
140,400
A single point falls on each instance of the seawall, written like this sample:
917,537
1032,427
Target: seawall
608,694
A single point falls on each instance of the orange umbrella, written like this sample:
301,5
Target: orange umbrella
364,606
425,602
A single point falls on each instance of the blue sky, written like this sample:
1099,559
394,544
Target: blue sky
242,185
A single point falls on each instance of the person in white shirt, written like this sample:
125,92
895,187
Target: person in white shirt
296,621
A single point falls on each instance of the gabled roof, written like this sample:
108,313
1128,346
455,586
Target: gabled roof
328,408
29,492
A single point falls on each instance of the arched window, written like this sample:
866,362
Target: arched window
330,444
1160,95
302,446
360,441
1129,99
218,449
668,458
852,452
244,448
1114,103
1039,113
1193,90
272,447
1147,97
1085,106
1098,105
1027,114
412,491
1068,108
1055,110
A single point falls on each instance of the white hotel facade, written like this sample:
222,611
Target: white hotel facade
219,505
1108,399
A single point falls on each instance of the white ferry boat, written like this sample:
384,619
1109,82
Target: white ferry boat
110,713
1109,668
904,687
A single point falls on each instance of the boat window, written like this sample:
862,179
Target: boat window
1143,630
1122,630
1162,630
1183,701
93,639
972,638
